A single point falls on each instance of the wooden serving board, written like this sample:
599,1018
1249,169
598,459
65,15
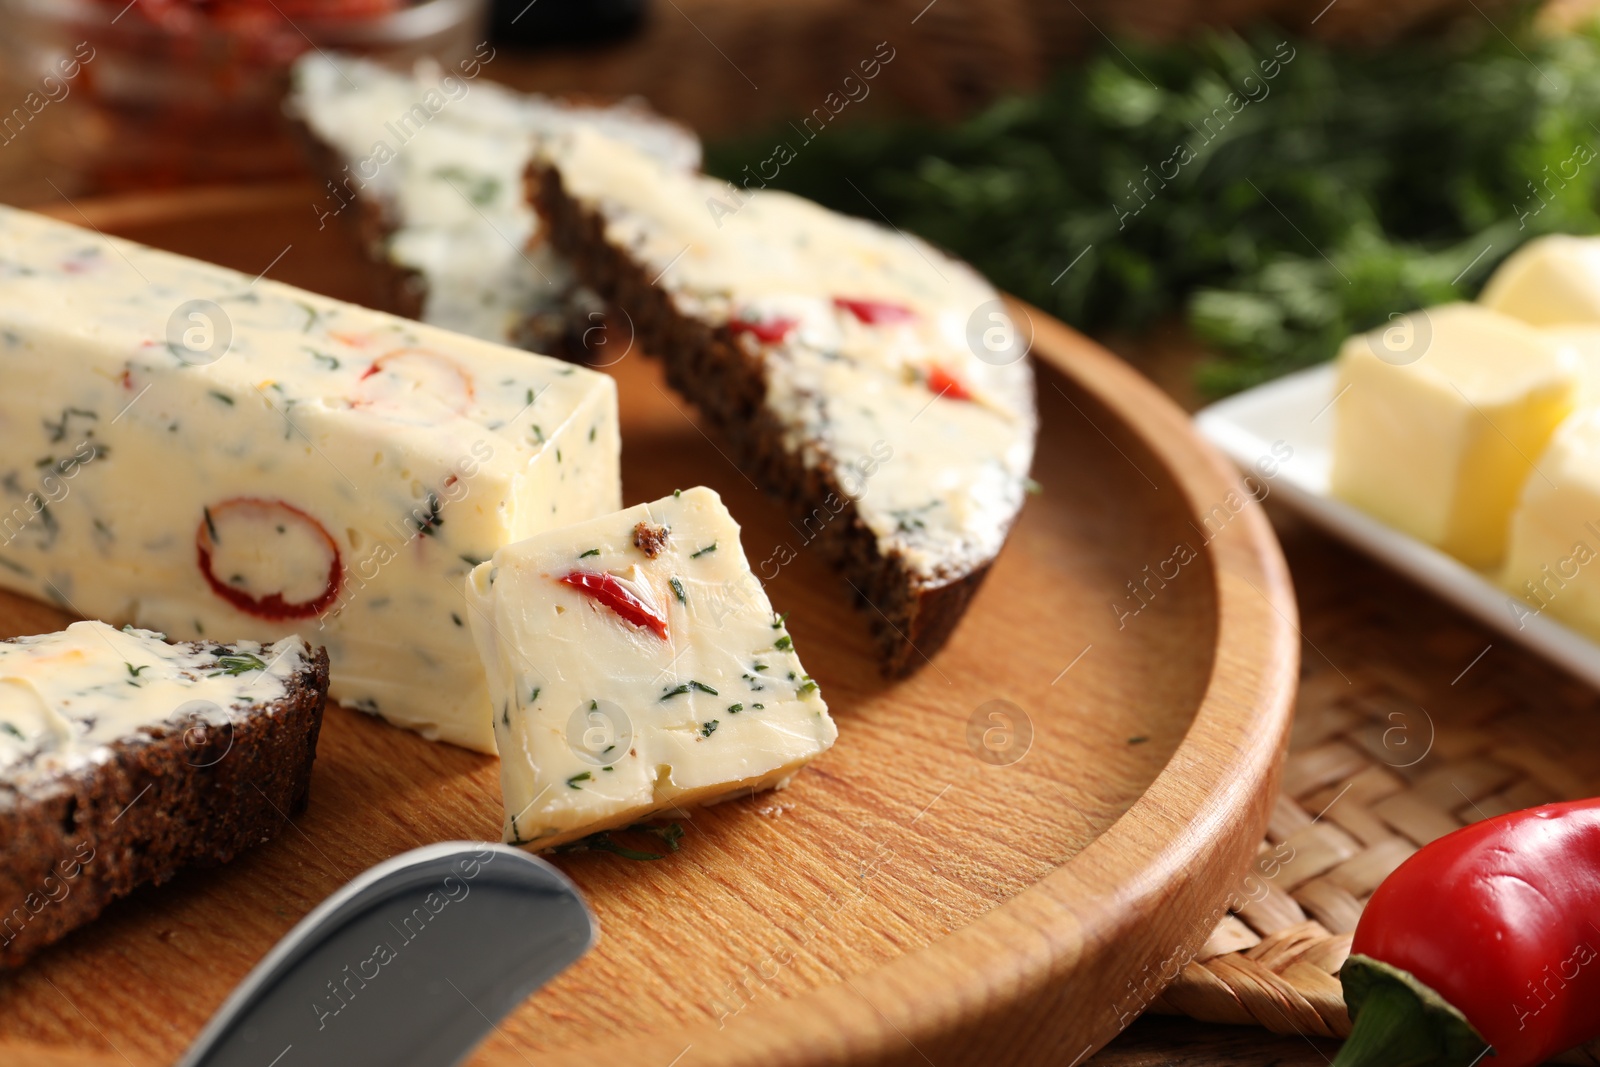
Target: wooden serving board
904,901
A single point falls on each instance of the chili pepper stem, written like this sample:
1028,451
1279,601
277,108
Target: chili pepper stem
1398,1021
1389,1032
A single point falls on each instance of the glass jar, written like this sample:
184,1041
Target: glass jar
155,95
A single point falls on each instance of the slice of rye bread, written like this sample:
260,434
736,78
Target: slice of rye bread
911,609
82,825
448,178
397,288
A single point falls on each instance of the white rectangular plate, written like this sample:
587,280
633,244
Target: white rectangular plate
1299,410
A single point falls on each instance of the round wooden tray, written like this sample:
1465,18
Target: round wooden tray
904,901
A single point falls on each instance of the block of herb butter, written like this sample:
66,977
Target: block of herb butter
1549,281
1437,430
1555,530
636,665
190,450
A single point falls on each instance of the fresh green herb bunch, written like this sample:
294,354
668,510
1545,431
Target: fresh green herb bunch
1344,187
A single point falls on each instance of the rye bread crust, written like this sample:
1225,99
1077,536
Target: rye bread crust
401,290
171,797
911,615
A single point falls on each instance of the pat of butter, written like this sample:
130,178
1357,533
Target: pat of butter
1555,531
1440,419
636,665
214,456
1584,343
1548,281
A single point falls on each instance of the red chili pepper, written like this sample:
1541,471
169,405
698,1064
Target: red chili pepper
422,359
354,340
1486,937
946,384
433,373
619,598
769,332
267,513
875,312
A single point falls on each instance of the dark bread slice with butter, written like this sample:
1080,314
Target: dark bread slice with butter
841,360
426,167
124,759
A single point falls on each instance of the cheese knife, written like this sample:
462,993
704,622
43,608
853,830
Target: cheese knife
412,964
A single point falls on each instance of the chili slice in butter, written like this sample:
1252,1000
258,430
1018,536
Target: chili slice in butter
610,591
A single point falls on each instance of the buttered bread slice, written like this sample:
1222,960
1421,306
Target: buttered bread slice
199,452
875,382
428,163
124,759
636,666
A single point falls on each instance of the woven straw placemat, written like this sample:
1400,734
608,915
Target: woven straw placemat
1412,720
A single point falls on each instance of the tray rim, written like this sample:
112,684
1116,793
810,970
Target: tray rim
1007,992
1009,985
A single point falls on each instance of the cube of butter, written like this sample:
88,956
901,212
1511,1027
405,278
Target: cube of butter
1584,344
636,665
191,450
1555,531
1436,430
1548,281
